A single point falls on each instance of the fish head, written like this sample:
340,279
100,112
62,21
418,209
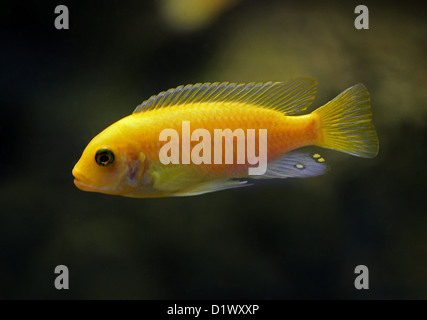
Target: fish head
110,164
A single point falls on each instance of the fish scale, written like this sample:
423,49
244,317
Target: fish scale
284,133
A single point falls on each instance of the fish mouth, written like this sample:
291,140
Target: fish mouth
81,182
83,186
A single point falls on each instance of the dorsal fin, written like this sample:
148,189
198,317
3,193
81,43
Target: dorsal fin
290,97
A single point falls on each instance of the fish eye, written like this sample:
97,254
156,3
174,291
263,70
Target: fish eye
104,157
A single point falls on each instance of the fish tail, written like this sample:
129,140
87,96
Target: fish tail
346,123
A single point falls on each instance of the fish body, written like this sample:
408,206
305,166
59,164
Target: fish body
137,170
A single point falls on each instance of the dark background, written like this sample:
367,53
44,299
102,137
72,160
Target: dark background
275,240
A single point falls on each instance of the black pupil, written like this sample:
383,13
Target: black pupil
104,158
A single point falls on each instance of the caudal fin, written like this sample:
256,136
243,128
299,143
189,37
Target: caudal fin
347,123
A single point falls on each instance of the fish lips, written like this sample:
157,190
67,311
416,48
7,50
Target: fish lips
82,186
81,182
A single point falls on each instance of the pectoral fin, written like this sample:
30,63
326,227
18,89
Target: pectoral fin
173,178
181,181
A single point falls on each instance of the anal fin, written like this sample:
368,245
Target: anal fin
295,164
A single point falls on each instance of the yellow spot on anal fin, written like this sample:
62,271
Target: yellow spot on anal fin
320,160
316,155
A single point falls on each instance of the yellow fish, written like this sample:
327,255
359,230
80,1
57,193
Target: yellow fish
124,159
